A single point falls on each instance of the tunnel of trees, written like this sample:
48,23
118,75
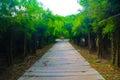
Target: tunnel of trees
25,26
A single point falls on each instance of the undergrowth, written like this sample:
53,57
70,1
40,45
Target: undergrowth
17,70
105,68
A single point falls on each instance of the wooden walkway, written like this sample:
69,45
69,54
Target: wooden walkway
61,62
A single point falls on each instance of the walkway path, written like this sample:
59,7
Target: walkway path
61,62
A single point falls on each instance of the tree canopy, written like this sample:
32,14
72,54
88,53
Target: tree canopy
26,26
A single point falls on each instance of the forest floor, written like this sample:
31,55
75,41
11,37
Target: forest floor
17,70
105,68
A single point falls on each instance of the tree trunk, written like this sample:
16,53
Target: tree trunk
30,46
10,49
93,42
116,47
40,44
113,49
47,40
89,41
86,41
100,50
24,46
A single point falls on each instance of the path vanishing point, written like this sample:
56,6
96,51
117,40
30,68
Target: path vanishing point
61,62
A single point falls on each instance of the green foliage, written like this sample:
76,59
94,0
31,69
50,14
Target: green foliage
84,3
28,17
96,11
109,27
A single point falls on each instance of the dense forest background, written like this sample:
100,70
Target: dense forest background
25,26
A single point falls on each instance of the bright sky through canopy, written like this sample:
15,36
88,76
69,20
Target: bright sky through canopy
62,7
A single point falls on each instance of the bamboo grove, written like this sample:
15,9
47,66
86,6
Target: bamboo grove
25,26
98,26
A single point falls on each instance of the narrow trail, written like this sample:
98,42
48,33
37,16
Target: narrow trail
61,62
